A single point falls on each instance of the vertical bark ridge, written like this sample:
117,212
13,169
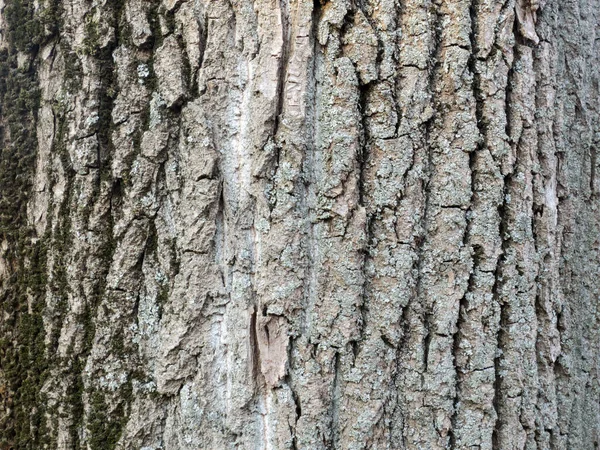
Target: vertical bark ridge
479,323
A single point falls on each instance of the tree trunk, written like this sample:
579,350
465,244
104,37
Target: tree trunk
278,224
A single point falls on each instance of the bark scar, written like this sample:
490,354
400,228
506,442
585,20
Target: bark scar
527,16
272,338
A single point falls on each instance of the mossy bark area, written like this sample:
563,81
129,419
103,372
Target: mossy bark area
295,225
23,364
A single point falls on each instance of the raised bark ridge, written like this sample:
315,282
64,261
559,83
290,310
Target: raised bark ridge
283,224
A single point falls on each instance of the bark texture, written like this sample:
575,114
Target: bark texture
279,224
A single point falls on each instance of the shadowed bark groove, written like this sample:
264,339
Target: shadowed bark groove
281,224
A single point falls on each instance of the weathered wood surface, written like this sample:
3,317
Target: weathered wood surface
282,224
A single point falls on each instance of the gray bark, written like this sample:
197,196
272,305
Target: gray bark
279,224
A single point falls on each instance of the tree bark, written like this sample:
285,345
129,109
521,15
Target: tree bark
279,224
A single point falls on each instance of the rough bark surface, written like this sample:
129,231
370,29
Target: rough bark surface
279,224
